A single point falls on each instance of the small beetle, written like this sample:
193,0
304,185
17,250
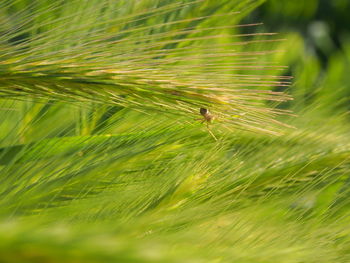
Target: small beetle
206,114
208,118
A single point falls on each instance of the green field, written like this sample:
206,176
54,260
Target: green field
105,156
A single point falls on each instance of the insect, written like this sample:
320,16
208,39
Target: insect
208,118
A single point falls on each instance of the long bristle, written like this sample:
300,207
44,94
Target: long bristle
175,66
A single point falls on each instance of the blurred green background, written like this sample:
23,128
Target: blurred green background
321,60
324,24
